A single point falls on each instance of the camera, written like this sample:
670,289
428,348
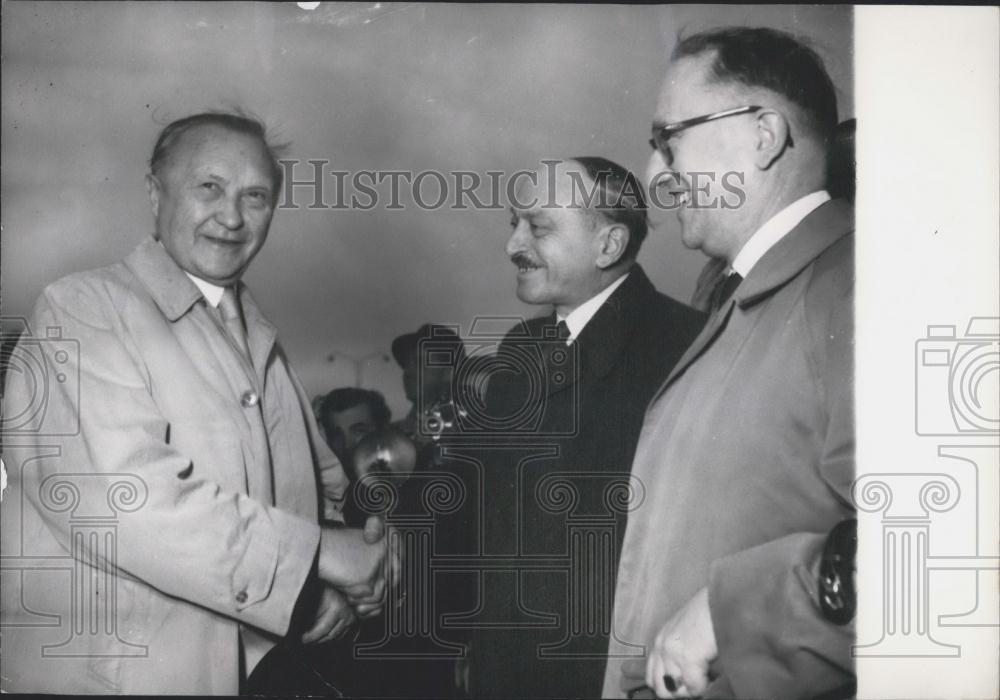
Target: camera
33,369
958,380
536,364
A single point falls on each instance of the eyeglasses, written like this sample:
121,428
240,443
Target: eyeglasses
662,134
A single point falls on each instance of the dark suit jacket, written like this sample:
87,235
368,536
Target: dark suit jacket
557,487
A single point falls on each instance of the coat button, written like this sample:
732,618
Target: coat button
241,597
250,399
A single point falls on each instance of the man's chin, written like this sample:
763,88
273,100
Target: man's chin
222,265
528,295
221,275
691,239
694,234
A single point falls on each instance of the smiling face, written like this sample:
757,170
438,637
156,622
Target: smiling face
557,250
691,176
212,201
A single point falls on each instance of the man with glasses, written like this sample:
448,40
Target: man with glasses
747,450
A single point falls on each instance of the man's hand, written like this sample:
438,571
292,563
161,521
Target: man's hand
375,530
353,561
394,561
683,649
334,617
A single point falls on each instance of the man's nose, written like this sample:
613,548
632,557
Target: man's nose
518,239
230,213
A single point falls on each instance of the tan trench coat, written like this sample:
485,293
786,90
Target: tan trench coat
200,476
747,458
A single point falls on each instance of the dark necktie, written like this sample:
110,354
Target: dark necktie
556,354
232,317
724,289
562,330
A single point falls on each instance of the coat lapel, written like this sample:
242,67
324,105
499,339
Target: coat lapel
713,327
600,345
823,227
605,338
220,362
172,290
261,333
790,256
176,296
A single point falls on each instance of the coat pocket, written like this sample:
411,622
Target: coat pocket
214,452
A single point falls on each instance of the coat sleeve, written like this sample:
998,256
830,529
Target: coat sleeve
772,636
177,532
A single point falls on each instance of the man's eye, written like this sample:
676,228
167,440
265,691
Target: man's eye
258,196
211,186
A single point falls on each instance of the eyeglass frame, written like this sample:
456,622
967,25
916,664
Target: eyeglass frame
662,134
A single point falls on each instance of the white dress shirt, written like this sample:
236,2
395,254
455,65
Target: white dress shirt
211,292
774,229
581,315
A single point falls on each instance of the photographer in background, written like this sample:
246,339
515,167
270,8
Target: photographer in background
348,415
426,383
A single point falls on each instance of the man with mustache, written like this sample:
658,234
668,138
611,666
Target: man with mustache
584,373
747,451
180,417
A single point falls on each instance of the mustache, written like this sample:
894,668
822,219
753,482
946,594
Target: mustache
522,260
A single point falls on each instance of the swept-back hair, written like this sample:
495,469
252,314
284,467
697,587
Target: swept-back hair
772,59
237,121
619,199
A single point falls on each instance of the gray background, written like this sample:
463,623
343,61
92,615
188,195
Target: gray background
86,87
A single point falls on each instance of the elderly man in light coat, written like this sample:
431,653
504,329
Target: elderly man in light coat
163,521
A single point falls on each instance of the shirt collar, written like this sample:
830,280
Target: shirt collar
776,228
212,292
579,317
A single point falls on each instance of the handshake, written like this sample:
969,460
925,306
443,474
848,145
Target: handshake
355,569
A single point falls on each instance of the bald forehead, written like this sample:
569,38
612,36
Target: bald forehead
213,141
690,90
209,135
565,185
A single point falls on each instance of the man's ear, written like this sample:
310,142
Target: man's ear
773,137
612,240
153,188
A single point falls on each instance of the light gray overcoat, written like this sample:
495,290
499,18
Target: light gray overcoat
200,475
